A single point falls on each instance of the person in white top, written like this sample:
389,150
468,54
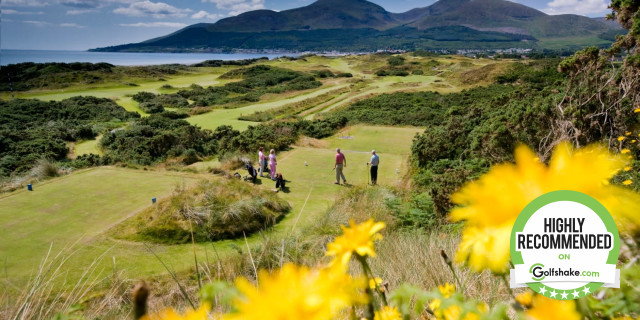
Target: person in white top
262,161
375,160
272,164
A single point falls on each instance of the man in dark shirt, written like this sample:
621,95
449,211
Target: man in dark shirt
341,162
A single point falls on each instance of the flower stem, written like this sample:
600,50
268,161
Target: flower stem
370,312
447,260
367,268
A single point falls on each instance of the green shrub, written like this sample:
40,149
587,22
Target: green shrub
395,61
151,107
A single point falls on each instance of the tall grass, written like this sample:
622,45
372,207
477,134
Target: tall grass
49,293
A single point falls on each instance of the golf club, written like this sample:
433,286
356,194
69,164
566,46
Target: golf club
368,174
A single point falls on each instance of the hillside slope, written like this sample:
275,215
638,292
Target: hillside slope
359,25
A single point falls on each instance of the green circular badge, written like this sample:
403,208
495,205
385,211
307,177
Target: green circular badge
564,245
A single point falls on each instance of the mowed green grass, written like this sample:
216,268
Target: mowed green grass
87,147
218,117
72,208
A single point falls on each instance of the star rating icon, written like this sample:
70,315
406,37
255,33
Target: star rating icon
564,295
586,290
553,293
575,293
542,290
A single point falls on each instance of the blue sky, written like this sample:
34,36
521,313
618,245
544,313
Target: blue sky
84,24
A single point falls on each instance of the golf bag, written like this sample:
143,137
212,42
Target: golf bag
280,181
252,172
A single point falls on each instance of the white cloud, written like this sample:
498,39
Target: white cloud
37,23
71,25
582,7
237,7
81,4
155,25
205,15
24,3
9,11
80,11
158,10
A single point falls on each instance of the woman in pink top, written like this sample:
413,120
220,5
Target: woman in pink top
272,164
261,161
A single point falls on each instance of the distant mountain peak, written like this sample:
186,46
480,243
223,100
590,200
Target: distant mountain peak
336,24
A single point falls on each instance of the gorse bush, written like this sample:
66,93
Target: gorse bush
31,129
153,139
152,103
212,210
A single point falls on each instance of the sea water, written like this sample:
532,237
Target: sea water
8,56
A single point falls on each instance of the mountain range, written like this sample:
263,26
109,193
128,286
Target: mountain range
361,26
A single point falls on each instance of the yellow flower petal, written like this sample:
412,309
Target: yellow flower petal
623,151
388,313
356,238
525,299
550,309
620,138
627,182
297,293
447,290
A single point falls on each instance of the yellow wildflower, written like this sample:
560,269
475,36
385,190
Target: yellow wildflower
627,168
628,133
550,309
447,290
356,238
454,312
633,141
636,110
525,299
627,182
623,151
491,204
376,282
170,314
297,293
620,138
388,313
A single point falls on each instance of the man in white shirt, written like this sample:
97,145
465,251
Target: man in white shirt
375,160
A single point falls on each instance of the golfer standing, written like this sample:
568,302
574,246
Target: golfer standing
341,162
272,164
375,160
262,161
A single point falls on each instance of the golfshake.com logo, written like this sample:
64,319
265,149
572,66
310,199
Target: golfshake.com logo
564,245
539,272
